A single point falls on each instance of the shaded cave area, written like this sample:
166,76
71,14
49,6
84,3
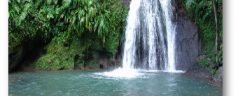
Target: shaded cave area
23,55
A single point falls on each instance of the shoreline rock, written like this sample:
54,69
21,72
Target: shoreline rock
197,71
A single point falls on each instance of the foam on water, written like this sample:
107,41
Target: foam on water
133,73
122,73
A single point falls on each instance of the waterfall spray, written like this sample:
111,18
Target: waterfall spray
150,36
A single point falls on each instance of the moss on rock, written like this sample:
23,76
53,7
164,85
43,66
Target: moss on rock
58,56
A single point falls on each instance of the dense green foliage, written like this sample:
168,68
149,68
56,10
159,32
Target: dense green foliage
95,24
58,56
207,14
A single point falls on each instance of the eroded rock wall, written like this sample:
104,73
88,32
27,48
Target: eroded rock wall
187,39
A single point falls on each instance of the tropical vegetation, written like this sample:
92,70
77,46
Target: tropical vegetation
95,25
207,14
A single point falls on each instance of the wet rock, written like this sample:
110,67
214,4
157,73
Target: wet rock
218,77
126,2
187,40
200,72
103,62
15,57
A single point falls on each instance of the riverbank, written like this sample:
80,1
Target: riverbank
197,71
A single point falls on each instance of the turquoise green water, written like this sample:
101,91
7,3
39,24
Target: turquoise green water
78,83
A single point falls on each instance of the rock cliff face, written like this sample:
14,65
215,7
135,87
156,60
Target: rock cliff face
187,41
126,2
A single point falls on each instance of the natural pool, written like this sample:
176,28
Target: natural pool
91,83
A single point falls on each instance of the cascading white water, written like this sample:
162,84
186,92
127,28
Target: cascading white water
170,29
149,40
150,36
131,29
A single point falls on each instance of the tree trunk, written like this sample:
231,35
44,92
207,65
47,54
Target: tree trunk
217,34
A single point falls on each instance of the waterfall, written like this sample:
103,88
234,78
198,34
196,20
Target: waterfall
150,36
